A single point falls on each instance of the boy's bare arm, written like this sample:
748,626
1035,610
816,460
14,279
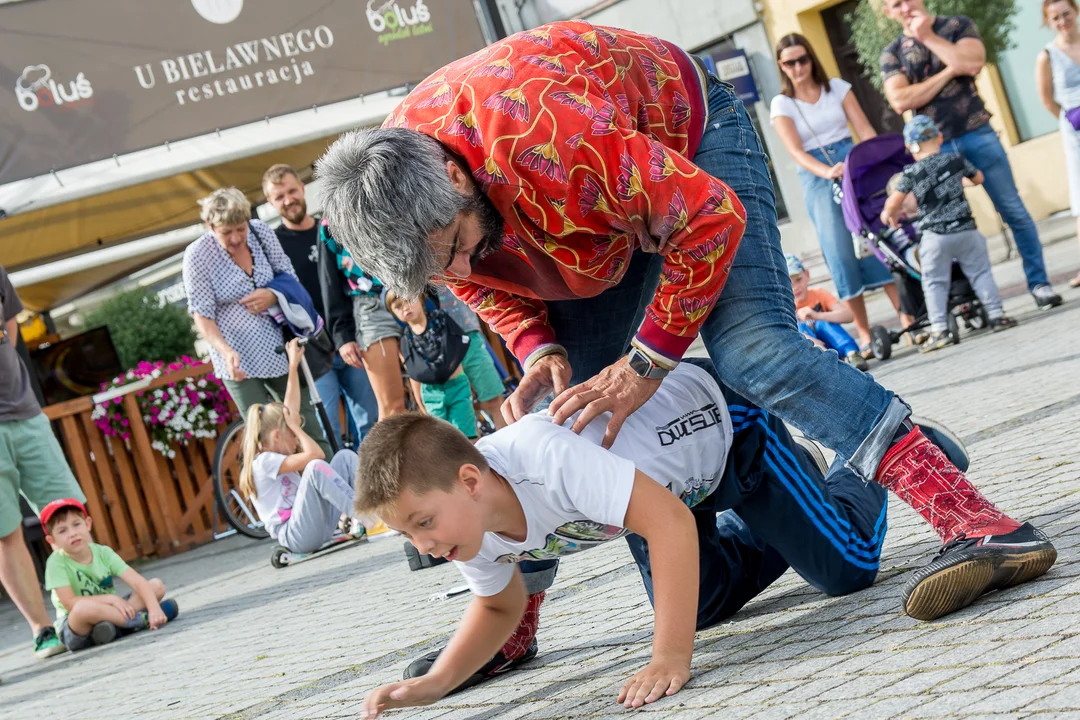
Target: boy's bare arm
146,593
890,215
417,392
69,600
487,625
668,526
840,314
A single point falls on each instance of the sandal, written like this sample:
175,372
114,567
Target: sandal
867,352
1075,281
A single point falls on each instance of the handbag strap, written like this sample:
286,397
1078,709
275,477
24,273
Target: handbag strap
806,122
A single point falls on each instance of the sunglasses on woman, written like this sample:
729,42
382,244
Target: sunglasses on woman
801,60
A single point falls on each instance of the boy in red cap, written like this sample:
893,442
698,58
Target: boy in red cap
80,575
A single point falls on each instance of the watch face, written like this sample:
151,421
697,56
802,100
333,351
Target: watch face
640,364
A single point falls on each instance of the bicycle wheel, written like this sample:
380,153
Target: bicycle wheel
226,479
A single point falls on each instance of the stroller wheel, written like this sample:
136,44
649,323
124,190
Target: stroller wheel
881,342
980,319
954,327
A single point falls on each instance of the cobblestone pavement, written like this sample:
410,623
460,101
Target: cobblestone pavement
254,643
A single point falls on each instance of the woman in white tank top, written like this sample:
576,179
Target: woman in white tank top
1057,75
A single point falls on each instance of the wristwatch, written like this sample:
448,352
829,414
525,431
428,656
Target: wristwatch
644,366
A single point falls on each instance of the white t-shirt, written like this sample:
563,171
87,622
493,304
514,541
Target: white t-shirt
276,493
575,494
826,116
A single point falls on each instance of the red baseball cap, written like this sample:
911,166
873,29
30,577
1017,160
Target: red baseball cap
57,505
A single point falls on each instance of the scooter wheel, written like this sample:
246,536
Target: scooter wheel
280,557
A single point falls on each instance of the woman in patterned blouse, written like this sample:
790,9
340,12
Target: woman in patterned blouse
226,272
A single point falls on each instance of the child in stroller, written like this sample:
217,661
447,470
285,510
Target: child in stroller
868,169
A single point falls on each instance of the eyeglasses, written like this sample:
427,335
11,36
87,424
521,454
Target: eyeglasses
801,60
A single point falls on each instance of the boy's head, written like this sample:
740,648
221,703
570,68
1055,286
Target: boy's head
67,526
406,311
800,277
922,136
425,479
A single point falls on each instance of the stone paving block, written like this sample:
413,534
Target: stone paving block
948,704
919,682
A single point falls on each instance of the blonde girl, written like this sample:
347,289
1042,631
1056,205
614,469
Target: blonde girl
298,495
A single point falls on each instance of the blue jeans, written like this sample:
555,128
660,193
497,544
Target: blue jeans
834,336
850,275
344,379
751,334
985,152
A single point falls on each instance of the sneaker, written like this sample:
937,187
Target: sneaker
966,569
1002,323
1045,297
496,666
857,361
356,529
103,633
46,644
937,341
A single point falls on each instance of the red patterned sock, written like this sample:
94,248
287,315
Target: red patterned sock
920,475
519,642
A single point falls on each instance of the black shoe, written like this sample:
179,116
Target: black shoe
1045,297
1002,323
103,633
496,666
966,569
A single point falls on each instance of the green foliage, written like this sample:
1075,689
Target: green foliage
143,329
871,31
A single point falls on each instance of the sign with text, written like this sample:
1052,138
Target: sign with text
81,81
733,67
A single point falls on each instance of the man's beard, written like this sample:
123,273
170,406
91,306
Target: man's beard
296,213
492,225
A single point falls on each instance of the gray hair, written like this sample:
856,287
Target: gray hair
384,192
225,206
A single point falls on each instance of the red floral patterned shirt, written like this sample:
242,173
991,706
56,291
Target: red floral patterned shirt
580,135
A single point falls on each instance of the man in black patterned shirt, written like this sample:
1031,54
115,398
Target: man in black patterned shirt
931,70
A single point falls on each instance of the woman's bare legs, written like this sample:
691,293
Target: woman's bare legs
383,363
862,324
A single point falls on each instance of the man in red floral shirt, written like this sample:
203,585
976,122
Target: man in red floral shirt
588,190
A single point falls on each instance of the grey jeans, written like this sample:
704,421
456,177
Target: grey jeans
936,254
325,494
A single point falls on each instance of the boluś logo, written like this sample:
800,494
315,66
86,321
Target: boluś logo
36,88
397,20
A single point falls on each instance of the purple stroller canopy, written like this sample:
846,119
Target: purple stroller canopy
867,171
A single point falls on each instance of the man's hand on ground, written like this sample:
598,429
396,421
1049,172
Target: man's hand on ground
408,693
617,390
549,373
660,678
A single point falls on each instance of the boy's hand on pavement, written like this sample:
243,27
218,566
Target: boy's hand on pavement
156,616
660,678
409,693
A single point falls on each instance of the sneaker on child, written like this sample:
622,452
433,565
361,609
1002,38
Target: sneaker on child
937,341
1002,323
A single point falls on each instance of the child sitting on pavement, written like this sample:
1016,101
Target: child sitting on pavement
535,490
80,575
299,497
433,349
820,313
947,229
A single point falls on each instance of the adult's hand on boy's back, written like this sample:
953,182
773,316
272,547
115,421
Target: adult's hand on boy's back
660,678
408,693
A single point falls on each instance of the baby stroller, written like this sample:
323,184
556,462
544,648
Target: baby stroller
867,170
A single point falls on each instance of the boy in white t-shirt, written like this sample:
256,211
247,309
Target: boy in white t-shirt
535,490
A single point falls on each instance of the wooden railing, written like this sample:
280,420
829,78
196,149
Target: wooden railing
141,502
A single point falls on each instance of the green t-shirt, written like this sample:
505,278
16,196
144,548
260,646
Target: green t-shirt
93,579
